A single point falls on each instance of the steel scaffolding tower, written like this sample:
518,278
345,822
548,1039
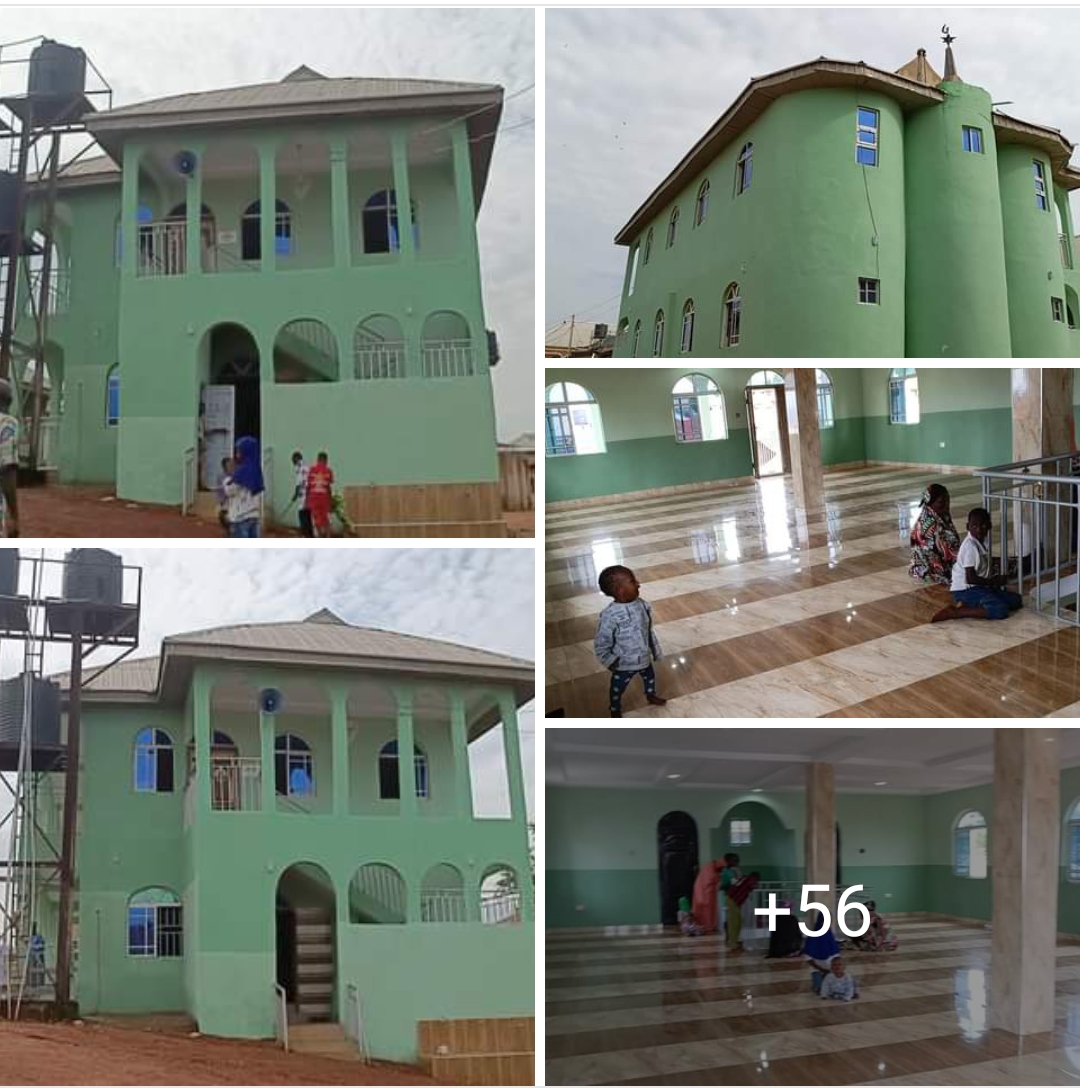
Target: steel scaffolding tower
37,613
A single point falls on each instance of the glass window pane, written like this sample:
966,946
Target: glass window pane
867,118
144,768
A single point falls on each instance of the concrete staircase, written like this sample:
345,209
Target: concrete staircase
314,965
493,1051
323,1040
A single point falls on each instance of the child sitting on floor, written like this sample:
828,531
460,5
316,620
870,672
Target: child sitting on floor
625,642
978,594
838,983
687,922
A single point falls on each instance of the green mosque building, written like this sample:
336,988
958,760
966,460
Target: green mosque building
836,209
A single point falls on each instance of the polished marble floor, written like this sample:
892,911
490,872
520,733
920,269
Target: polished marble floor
652,1007
761,617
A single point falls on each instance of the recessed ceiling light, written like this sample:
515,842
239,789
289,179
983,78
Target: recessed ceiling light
757,791
674,776
881,783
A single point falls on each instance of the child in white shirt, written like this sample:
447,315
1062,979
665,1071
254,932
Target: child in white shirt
977,593
838,983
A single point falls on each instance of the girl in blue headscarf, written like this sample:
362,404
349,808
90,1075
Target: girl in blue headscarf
820,951
243,488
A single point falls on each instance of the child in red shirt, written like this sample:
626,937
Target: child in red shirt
320,485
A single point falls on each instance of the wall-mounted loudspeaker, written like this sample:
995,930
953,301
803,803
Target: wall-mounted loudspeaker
270,700
185,162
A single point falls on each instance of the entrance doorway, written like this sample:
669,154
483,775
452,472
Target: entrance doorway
766,415
306,942
677,849
229,406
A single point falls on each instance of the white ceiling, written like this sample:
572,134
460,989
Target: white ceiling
907,760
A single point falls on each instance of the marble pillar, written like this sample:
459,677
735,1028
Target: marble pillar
807,475
821,832
1024,841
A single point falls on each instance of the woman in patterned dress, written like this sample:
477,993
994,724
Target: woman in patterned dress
935,543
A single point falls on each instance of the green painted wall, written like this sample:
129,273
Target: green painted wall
226,867
158,328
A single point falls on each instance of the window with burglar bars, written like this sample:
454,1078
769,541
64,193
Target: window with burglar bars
155,930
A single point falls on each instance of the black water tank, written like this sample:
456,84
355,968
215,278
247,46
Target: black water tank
9,572
92,574
9,192
56,71
45,724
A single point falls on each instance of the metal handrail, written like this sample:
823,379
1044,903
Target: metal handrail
281,1015
189,479
354,1025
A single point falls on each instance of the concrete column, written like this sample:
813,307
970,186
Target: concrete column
463,187
201,686
515,776
267,735
821,832
399,154
193,208
1024,842
339,727
460,740
267,206
129,212
807,475
339,203
406,765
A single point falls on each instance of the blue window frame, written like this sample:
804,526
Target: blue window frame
867,125
1039,171
973,139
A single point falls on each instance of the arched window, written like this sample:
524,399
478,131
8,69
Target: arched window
153,761
970,843
648,246
390,779
697,407
379,348
380,223
904,395
294,767
637,339
633,271
741,833
446,346
500,895
251,230
686,340
112,396
672,227
155,924
1072,844
732,317
442,895
305,350
744,168
573,423
766,377
701,207
824,400
1041,200
658,333
377,896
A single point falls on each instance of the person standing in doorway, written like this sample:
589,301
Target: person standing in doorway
9,464
243,488
320,486
300,494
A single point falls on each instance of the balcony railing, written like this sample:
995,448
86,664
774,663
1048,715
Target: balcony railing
448,358
163,247
1066,250
380,360
442,905
236,784
500,908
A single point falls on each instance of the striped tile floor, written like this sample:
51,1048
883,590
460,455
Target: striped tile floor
759,617
656,1008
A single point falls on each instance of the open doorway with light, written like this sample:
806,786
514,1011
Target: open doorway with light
766,415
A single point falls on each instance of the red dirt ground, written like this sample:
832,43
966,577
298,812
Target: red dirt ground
99,1053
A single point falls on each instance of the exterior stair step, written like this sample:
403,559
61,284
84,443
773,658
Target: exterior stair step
325,1040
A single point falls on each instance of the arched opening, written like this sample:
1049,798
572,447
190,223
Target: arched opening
251,231
377,896
648,246
756,833
826,416
677,858
171,242
306,910
970,846
701,207
294,766
904,406
637,339
229,406
686,340
379,348
446,345
658,334
442,894
1072,310
500,895
380,223
155,924
154,761
573,423
697,407
766,415
673,227
390,772
744,168
731,317
305,350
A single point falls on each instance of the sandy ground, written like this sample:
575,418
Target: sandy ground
111,1053
84,511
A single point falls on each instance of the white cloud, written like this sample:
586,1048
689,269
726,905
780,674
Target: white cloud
629,91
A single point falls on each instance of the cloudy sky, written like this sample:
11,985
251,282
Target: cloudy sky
614,130
149,53
483,597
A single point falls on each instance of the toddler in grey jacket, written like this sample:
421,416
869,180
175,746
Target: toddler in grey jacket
625,642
